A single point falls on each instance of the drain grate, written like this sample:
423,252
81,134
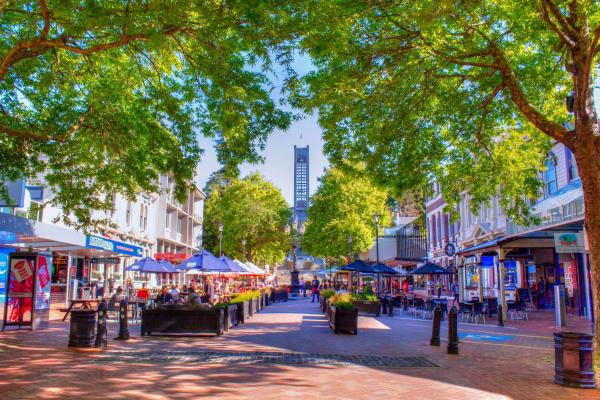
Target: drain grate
268,358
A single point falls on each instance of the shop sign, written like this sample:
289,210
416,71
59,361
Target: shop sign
97,242
3,271
22,270
105,260
510,275
569,242
20,282
487,261
450,249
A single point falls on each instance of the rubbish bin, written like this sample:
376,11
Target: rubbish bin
573,360
83,328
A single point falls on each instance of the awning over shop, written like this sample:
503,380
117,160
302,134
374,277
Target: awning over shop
480,246
565,195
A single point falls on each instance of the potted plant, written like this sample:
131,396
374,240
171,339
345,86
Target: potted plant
242,301
324,296
344,317
366,302
231,314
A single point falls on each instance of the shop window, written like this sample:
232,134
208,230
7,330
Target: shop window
168,220
550,184
179,224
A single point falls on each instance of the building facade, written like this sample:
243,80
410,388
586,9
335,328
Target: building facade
301,183
498,258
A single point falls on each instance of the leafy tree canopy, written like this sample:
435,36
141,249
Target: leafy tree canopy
252,209
343,206
468,93
105,96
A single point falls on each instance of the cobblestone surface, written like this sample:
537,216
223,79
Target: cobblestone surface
288,351
268,358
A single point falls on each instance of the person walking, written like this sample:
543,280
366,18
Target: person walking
456,291
315,289
100,287
111,285
439,288
303,287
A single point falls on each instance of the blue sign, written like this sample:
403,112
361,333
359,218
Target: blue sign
510,275
487,261
484,337
97,242
3,269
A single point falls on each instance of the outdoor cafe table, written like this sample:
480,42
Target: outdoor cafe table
83,304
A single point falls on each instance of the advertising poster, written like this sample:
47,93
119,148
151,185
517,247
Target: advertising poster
42,299
3,272
20,290
472,275
510,275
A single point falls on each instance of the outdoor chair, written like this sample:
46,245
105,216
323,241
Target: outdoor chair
492,306
518,310
419,307
428,310
478,314
463,310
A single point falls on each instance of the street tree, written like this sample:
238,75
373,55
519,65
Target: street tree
343,206
469,93
250,209
102,97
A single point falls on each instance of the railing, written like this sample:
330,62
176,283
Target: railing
411,241
565,213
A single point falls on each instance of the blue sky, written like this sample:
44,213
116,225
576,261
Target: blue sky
278,154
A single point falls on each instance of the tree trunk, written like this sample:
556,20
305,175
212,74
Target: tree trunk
588,162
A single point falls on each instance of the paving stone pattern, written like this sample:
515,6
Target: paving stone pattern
268,358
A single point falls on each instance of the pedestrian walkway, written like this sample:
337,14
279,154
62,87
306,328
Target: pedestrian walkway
287,350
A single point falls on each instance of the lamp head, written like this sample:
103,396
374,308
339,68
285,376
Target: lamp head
376,217
220,227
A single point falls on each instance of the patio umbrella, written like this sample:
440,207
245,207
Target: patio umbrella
384,269
254,268
233,266
429,268
152,266
358,266
202,262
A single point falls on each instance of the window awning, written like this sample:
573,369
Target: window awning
565,195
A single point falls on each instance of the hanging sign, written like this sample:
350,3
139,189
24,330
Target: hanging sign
569,242
450,249
97,242
487,261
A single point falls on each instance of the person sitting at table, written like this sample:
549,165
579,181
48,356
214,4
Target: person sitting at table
143,294
174,291
164,296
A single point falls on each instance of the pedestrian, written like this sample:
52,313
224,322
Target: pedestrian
456,291
439,288
111,284
100,286
405,285
303,287
314,289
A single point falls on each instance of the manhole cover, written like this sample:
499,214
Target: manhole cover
268,358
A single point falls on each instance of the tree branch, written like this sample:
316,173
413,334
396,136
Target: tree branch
562,21
550,128
562,35
46,16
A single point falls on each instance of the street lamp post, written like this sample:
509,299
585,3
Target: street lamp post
376,219
243,250
220,239
295,282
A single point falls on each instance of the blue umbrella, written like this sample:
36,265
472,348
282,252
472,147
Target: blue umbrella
358,266
233,267
204,261
150,265
384,269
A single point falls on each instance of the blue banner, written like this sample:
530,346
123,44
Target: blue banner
97,242
487,261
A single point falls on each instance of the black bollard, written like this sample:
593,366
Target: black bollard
384,303
437,320
453,331
123,330
391,307
500,315
101,333
405,303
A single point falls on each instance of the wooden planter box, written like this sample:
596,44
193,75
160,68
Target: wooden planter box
344,320
261,303
231,316
265,299
253,306
367,307
279,294
243,311
183,321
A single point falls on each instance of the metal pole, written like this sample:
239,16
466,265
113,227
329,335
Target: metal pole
377,254
220,243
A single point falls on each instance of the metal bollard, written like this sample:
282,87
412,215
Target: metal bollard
123,330
384,303
500,315
453,331
405,303
101,333
391,308
437,320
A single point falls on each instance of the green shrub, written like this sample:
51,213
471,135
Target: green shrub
327,293
340,297
364,297
344,305
368,290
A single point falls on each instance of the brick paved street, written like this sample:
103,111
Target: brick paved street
288,350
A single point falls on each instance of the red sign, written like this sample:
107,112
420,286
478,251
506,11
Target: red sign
43,273
172,257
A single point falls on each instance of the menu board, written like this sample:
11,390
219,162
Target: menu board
510,275
20,290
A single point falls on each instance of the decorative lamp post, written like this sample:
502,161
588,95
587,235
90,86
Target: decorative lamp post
349,249
220,239
293,230
376,219
244,250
